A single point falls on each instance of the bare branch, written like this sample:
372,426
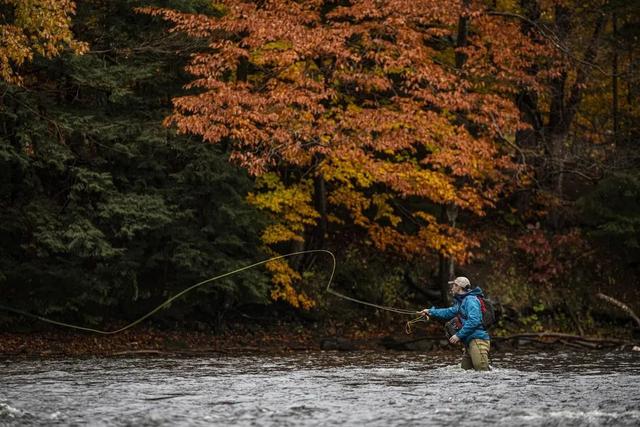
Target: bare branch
553,38
621,305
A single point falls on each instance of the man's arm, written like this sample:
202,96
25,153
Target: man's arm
444,313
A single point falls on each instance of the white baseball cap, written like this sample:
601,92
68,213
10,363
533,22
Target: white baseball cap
461,281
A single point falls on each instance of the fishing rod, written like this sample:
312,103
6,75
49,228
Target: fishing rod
169,300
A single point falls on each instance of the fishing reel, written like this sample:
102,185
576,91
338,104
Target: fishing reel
452,327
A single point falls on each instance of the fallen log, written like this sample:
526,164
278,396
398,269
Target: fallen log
592,345
562,335
569,340
570,343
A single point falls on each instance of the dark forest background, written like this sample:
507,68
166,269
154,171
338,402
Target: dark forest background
105,212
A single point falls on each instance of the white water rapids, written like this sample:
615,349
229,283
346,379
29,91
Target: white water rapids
324,388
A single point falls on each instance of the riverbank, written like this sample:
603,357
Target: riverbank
284,338
272,339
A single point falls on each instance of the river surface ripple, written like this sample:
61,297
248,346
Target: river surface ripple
324,388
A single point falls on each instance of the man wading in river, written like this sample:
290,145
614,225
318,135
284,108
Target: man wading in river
466,312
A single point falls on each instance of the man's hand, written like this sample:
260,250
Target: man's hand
454,339
424,313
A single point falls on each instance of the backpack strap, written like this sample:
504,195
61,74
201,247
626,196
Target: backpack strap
483,308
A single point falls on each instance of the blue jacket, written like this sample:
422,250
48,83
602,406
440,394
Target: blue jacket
468,306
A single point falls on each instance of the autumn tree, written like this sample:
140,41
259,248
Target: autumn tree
367,114
33,27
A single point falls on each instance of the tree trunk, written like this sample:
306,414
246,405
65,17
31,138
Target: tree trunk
463,30
320,195
449,212
614,80
527,102
242,69
527,99
564,107
557,159
447,265
631,87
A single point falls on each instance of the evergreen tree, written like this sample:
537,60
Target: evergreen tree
104,212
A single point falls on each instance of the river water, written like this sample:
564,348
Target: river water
324,388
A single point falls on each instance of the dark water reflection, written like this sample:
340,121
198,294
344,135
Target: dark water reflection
324,388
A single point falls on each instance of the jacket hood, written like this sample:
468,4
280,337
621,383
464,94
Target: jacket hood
475,292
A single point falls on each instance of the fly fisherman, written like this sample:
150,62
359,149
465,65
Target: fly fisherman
466,311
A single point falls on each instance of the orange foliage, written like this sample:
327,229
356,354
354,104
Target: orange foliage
365,95
36,27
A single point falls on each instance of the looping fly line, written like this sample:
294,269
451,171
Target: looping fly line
213,279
